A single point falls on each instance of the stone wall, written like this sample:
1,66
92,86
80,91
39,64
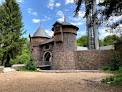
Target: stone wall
69,43
37,54
63,60
92,59
63,53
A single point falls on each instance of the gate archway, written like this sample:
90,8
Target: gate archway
47,58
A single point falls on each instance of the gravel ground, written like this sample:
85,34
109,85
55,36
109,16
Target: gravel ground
55,82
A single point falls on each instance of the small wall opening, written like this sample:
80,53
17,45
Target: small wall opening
47,58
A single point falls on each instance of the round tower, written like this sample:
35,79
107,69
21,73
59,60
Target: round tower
64,45
39,36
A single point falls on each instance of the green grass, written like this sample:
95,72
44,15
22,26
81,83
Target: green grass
27,70
115,80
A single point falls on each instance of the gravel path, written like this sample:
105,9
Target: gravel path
55,82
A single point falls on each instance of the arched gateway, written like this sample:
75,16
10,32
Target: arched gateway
47,58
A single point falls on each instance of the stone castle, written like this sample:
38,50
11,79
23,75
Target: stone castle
60,52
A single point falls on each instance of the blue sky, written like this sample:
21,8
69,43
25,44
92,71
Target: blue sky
48,12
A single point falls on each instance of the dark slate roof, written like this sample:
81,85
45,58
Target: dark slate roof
40,33
47,41
66,24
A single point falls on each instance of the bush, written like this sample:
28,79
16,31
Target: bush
116,80
105,68
114,63
31,65
20,59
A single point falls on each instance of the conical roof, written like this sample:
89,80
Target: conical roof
40,33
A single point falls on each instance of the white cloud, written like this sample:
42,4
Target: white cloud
61,15
34,13
78,23
57,4
104,33
66,10
20,1
36,20
69,1
51,4
61,19
50,33
79,20
81,32
99,1
31,12
81,14
46,18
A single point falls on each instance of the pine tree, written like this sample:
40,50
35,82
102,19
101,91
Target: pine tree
11,30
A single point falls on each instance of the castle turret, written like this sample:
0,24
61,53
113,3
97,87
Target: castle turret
39,36
65,36
65,45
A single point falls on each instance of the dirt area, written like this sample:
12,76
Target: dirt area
55,82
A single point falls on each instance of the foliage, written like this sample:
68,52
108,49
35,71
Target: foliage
111,8
28,70
107,69
118,45
20,59
116,80
108,40
31,65
114,63
82,41
25,57
11,30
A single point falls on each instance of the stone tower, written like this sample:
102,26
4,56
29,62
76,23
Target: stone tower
35,39
64,45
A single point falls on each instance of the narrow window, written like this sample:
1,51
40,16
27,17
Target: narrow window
47,47
57,29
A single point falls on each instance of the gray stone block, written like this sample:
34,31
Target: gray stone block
1,69
18,66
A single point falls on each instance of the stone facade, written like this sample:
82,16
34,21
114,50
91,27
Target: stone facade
60,52
92,59
69,43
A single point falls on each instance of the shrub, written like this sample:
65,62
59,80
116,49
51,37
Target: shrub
114,63
116,80
20,59
105,68
31,65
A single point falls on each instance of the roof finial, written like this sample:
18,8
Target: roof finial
64,18
40,24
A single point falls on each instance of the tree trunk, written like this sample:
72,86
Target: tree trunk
95,26
3,63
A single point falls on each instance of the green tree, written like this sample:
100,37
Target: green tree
24,57
111,8
82,41
91,21
11,30
108,40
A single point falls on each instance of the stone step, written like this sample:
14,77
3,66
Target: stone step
8,69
